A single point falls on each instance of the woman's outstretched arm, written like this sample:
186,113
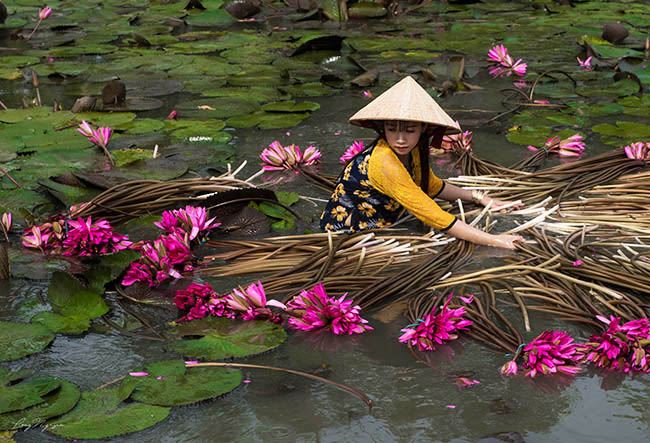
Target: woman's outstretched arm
464,231
452,193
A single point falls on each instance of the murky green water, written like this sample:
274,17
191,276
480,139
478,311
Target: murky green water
413,402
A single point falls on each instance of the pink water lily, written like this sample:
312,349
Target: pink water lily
620,347
191,220
313,310
457,142
173,115
100,137
585,64
354,149
277,157
435,329
252,304
551,352
569,147
506,66
43,14
509,368
637,151
160,260
367,94
79,238
200,300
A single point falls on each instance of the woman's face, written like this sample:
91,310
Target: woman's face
402,136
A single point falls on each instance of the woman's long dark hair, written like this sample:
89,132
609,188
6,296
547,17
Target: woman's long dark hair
428,139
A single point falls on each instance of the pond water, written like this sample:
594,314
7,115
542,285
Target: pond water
413,401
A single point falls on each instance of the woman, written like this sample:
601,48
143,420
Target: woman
392,173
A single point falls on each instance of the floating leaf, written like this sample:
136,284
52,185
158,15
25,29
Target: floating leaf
290,106
125,156
22,395
74,306
625,130
216,18
170,383
20,339
99,414
55,403
287,198
225,338
367,10
109,268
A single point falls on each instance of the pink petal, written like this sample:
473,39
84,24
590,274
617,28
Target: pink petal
192,362
138,374
246,381
451,406
577,263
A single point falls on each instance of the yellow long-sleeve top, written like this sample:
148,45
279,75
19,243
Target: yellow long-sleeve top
375,186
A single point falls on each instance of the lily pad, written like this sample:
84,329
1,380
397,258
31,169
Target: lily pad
214,19
55,403
141,126
636,105
136,104
74,306
620,88
125,156
18,340
112,119
10,73
25,394
367,10
536,136
290,106
68,195
170,383
108,268
18,61
101,414
225,338
626,130
308,90
267,120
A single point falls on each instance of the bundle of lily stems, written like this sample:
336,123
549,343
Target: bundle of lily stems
591,272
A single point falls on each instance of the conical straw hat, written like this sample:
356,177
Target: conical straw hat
406,100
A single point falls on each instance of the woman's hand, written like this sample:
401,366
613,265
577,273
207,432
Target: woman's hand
507,241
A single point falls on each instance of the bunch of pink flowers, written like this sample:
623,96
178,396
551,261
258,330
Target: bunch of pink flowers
354,149
249,304
162,259
315,310
79,237
506,66
435,329
620,347
638,151
201,301
570,147
458,142
277,157
191,220
549,353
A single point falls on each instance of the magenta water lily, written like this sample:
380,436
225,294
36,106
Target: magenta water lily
277,157
620,347
101,137
586,64
638,151
251,304
354,149
461,142
506,66
80,237
569,147
315,310
5,224
42,15
200,300
191,220
435,329
549,353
